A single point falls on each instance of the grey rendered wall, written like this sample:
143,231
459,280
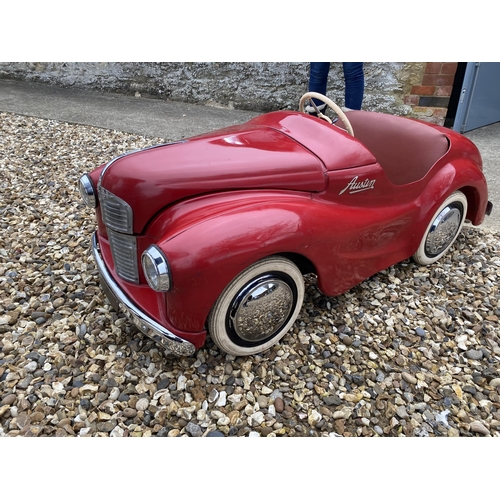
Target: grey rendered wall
250,86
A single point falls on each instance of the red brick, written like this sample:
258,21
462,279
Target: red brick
444,91
439,112
438,80
449,68
412,100
423,90
433,67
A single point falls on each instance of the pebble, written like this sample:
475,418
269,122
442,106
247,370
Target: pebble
8,400
263,401
279,405
474,354
142,404
31,366
411,351
215,434
314,418
222,399
194,429
495,382
256,419
117,432
114,394
401,412
36,417
343,413
129,412
213,396
479,427
407,377
421,332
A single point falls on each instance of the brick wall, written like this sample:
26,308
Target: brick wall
429,98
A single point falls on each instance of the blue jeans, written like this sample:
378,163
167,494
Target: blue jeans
354,82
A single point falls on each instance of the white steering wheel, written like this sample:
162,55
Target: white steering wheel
330,104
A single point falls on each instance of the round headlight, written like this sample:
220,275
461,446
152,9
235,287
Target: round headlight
155,267
87,191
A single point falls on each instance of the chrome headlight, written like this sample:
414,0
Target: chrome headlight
87,191
156,269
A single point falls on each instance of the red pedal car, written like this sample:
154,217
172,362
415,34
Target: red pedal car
214,233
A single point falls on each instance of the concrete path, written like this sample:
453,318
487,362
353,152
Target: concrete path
487,139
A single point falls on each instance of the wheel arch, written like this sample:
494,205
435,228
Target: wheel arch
470,180
474,214
305,265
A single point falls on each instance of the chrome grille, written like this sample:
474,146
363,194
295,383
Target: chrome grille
116,213
124,251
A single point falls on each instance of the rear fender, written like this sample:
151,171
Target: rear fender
459,175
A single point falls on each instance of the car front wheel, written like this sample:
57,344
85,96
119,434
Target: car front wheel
443,229
258,307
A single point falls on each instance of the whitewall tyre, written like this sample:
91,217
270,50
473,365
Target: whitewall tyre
258,307
443,230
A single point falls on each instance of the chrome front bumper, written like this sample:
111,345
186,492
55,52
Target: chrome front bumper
146,325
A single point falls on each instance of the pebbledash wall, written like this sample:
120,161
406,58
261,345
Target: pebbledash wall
415,89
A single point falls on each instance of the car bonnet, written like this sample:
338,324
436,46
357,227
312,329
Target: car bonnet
248,156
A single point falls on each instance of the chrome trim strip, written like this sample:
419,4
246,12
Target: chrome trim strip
148,326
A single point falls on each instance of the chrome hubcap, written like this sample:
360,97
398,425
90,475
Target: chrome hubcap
443,230
261,309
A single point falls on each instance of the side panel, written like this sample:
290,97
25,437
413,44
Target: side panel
345,244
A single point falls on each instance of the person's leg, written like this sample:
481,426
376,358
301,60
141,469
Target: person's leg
318,78
354,84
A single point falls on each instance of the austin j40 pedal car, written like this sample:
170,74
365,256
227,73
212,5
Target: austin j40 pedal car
213,234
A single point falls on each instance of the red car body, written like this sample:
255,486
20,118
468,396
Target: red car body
283,184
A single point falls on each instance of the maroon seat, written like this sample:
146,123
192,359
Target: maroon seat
406,149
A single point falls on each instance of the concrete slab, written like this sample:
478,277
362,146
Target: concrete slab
142,116
487,139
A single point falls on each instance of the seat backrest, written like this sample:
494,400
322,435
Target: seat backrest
406,149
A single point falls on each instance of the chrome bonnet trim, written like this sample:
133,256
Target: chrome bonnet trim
146,325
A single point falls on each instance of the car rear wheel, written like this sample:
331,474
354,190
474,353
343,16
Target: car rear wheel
443,229
258,307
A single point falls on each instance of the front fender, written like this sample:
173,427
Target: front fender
208,244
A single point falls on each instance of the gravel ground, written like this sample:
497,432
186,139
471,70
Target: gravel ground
410,352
